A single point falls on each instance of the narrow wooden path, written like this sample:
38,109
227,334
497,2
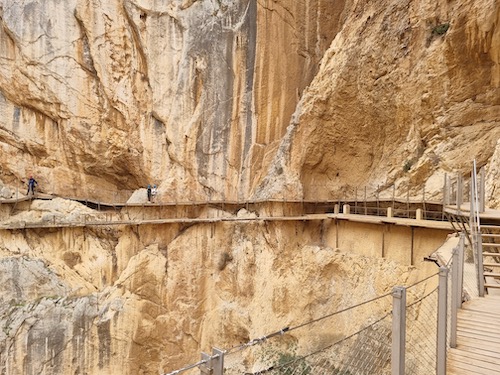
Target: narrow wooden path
478,339
110,220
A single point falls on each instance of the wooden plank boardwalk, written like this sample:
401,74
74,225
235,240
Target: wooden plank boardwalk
89,222
478,339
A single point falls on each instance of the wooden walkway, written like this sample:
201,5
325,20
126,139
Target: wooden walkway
478,339
89,221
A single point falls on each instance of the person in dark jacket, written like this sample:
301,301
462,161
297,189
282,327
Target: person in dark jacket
31,185
149,193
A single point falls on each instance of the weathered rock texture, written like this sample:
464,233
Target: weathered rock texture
189,94
406,92
219,99
197,95
146,300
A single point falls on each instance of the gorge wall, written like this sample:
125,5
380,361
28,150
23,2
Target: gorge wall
197,96
220,99
147,299
189,94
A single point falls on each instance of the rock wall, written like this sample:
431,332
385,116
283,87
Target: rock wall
220,99
196,96
98,97
148,299
406,92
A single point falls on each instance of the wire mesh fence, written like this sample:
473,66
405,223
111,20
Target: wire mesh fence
353,341
421,332
325,345
367,351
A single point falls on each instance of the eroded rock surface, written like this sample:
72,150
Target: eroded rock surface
146,300
406,93
219,99
188,94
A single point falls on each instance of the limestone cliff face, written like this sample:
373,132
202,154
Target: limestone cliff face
407,92
219,99
197,95
188,94
149,299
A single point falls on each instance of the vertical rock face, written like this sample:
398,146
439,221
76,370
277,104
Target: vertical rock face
189,94
138,300
406,92
220,99
196,96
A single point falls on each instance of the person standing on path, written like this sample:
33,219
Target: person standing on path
31,186
154,191
149,193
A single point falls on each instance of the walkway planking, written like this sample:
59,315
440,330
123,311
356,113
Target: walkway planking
275,210
89,222
478,339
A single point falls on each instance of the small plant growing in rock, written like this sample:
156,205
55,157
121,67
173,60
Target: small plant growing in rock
407,166
441,29
291,364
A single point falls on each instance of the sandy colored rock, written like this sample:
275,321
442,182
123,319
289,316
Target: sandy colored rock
395,103
139,91
150,298
214,100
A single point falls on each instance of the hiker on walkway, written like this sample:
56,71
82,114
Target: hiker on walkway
154,191
149,193
31,186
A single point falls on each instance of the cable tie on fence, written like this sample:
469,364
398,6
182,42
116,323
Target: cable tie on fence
255,341
280,332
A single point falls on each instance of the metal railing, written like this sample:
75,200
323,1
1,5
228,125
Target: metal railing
101,213
475,228
408,336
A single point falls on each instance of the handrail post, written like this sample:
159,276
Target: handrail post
214,364
461,258
472,210
482,193
476,231
423,203
442,316
456,296
454,300
206,368
217,361
480,269
459,192
398,330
